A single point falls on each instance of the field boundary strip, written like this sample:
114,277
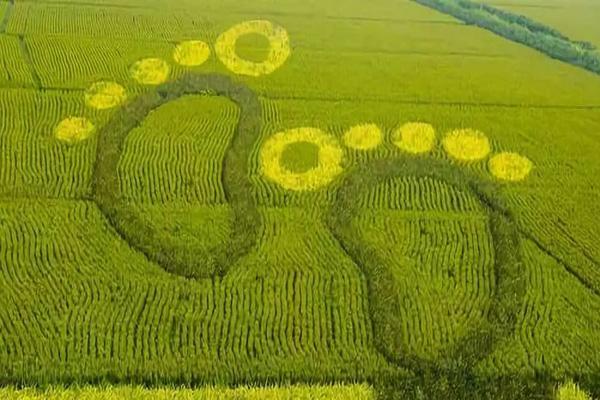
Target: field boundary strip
521,29
27,58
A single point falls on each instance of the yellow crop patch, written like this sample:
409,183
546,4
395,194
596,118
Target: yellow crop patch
73,129
279,49
510,166
467,145
103,95
329,163
363,137
570,391
415,137
191,53
150,71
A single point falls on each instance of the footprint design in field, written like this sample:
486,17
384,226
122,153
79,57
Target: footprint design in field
451,302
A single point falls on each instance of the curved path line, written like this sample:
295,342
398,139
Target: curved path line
106,187
509,288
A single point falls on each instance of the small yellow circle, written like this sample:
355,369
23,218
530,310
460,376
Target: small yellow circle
415,137
150,71
191,53
467,145
73,129
329,166
363,137
279,49
103,95
510,166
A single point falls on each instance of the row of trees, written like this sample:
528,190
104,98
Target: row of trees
522,30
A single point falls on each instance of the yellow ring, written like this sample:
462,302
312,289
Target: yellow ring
330,159
279,49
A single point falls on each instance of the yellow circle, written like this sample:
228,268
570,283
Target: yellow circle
415,137
467,145
150,71
103,95
279,49
510,166
191,53
73,129
363,137
330,159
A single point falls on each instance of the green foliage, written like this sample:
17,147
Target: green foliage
386,296
337,392
571,391
275,297
300,157
521,29
236,186
282,314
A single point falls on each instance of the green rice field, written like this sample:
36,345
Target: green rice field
298,199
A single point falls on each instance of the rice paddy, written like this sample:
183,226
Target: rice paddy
282,200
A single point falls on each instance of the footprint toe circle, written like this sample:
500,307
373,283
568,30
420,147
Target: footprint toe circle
103,95
191,53
415,137
467,145
150,71
73,129
509,166
363,137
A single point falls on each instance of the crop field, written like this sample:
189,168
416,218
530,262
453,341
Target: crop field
576,19
297,200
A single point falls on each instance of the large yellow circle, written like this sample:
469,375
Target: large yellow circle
330,159
73,129
415,137
103,95
150,71
510,166
279,49
191,53
467,145
363,137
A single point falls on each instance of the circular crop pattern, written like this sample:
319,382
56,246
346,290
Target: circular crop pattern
191,53
73,129
415,137
363,137
467,145
510,166
330,156
150,71
103,95
279,49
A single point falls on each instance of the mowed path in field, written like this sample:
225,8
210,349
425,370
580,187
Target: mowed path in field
78,303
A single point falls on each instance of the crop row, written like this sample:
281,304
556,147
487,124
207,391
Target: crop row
303,392
33,162
178,152
77,303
